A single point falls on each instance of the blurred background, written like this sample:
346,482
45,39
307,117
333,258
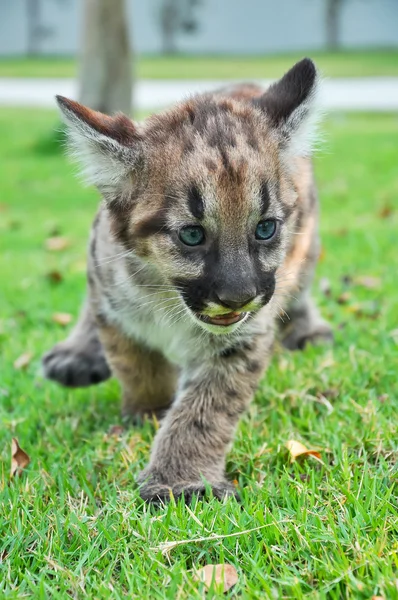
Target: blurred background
96,48
49,27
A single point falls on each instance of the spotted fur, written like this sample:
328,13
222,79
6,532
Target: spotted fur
224,162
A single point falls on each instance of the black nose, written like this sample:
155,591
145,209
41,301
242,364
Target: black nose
237,300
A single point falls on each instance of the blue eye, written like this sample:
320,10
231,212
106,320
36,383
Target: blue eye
193,235
265,230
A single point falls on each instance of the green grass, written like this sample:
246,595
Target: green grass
361,63
73,525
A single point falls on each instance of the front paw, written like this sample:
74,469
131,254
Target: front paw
154,490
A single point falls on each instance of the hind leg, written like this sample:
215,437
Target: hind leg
147,378
306,324
79,360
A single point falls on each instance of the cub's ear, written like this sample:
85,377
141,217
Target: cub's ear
290,107
108,148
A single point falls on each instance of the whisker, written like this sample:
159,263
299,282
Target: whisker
180,317
113,258
158,293
157,303
136,273
282,311
153,285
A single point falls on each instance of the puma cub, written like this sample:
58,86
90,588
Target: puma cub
207,231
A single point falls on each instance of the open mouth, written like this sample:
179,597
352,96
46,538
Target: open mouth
222,320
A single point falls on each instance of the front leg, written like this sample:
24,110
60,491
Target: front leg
190,447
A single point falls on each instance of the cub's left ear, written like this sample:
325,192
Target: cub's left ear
290,107
107,148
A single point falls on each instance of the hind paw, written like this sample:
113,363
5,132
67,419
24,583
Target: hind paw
74,367
298,337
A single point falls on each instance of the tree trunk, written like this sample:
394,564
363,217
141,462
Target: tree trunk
33,22
169,24
333,8
106,60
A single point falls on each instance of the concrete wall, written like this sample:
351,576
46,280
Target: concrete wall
224,26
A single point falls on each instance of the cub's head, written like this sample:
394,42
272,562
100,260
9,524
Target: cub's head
203,191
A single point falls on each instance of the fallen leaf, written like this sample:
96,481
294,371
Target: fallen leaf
324,286
371,283
329,393
297,449
22,361
369,310
56,243
342,232
223,576
62,318
54,231
54,276
19,459
385,211
355,308
346,280
344,298
116,431
377,597
21,314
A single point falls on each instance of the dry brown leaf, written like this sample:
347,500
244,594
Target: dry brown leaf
377,597
324,287
329,393
344,298
19,459
54,277
297,449
116,431
369,310
372,283
385,211
62,318
342,231
223,576
22,361
57,243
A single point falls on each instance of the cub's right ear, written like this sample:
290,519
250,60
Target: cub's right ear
108,148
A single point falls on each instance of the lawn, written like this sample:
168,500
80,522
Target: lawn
360,63
73,525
